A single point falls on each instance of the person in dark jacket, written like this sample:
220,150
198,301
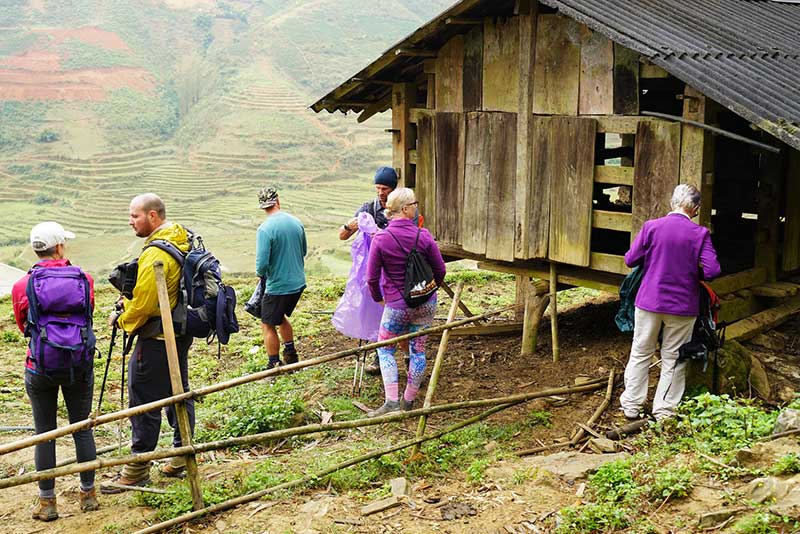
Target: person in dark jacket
675,254
385,181
48,240
385,279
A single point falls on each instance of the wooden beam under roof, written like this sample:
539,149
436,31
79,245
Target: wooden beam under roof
388,58
415,52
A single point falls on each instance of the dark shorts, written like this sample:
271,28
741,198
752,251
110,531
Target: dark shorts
275,307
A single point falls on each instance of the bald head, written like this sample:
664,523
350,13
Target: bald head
147,212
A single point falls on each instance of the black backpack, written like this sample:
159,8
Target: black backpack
206,306
708,335
419,284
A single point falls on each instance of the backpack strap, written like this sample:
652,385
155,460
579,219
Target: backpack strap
169,248
416,241
398,242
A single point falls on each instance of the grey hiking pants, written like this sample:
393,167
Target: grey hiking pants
43,393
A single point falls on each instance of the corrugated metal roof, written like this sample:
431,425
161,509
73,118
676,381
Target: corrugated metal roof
745,54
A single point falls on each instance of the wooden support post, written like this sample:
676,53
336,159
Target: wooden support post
536,301
404,97
554,310
177,385
437,366
697,150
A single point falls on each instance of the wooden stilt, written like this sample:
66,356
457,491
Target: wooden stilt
554,310
536,300
437,366
177,386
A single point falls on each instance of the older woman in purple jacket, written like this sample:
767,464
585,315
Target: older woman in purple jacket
385,278
675,254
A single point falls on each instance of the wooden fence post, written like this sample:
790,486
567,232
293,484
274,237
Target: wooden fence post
437,366
177,385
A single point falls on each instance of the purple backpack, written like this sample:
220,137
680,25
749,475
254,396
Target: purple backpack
59,320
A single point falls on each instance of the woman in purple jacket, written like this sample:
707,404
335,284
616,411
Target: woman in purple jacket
385,278
675,254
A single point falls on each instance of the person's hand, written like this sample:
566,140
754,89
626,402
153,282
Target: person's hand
382,303
352,224
112,319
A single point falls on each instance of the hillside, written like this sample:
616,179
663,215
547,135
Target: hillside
200,101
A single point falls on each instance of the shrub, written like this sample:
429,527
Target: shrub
48,136
613,482
671,482
786,465
593,518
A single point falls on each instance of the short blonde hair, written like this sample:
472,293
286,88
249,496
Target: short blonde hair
685,197
397,200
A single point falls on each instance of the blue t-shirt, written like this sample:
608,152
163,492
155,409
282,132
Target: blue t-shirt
280,249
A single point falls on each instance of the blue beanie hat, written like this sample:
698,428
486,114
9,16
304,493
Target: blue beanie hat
386,176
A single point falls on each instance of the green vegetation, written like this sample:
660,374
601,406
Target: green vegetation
80,55
131,112
667,465
18,121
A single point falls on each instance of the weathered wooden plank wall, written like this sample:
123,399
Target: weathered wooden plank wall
473,69
477,175
543,161
502,187
450,76
657,170
528,15
426,167
626,81
597,74
450,151
501,64
571,189
557,69
404,97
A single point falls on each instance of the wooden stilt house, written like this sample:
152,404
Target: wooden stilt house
540,133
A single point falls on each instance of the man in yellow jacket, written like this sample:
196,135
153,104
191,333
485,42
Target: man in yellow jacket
148,372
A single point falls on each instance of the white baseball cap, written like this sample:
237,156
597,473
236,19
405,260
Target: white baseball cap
48,234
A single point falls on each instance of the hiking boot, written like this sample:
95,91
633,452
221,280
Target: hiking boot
406,406
290,357
273,365
388,407
374,367
45,509
122,480
88,501
175,468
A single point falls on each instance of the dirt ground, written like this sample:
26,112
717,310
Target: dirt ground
504,503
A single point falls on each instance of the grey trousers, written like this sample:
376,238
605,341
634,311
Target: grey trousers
43,393
671,383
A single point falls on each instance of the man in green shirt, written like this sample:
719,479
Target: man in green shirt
280,249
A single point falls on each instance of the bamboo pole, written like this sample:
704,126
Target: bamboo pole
437,366
245,379
255,439
580,433
182,415
461,305
232,503
554,310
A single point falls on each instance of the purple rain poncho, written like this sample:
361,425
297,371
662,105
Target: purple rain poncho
357,315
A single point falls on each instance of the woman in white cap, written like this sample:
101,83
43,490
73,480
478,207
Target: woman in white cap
53,305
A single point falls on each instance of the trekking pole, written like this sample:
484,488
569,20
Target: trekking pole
108,364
